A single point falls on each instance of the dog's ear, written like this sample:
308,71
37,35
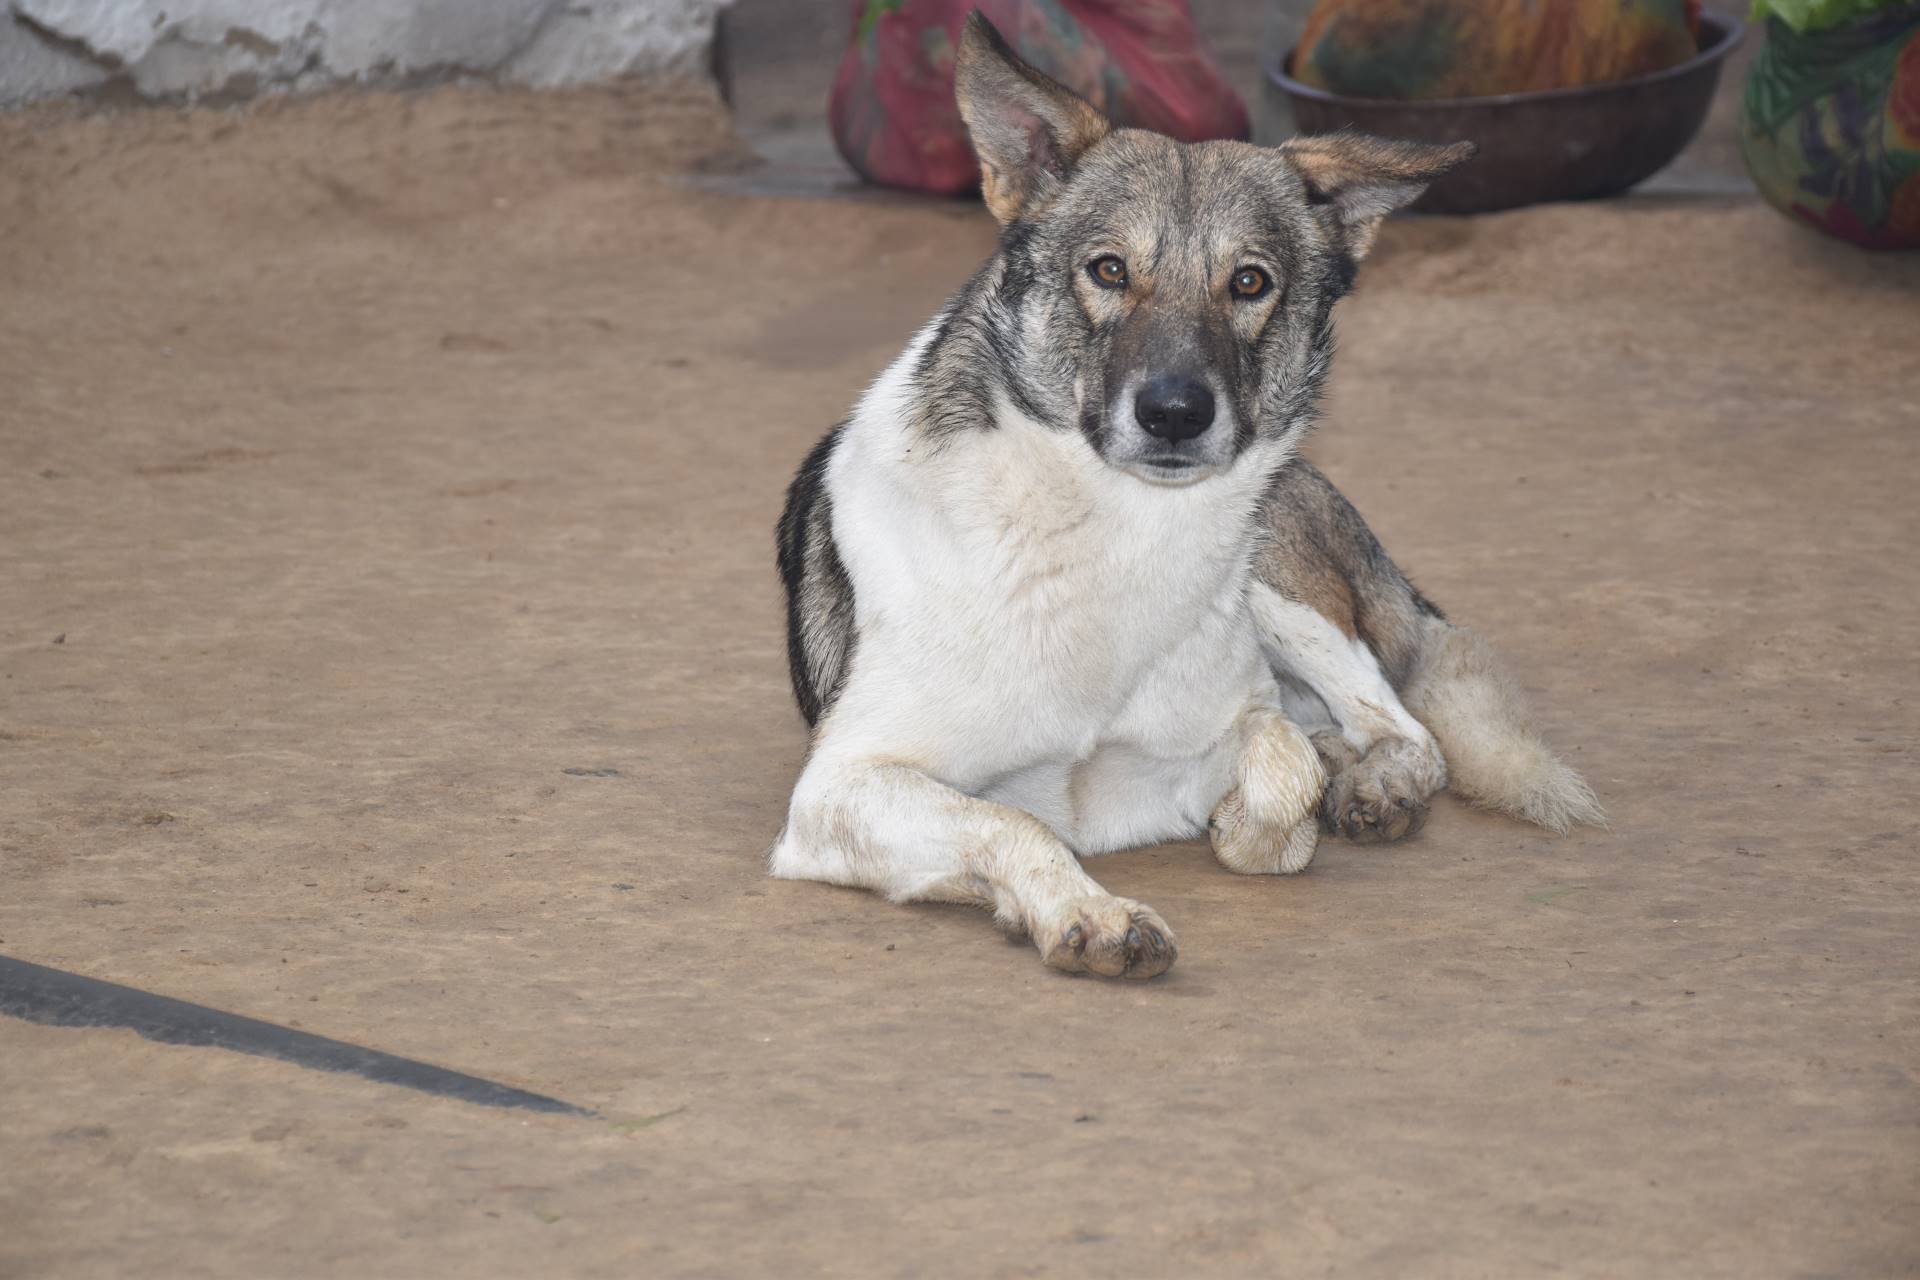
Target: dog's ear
1357,180
1028,129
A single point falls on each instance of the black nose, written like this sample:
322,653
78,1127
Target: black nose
1174,408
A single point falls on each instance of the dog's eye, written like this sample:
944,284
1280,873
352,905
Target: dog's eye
1250,283
1108,272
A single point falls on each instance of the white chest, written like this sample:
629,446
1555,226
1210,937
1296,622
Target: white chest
1020,602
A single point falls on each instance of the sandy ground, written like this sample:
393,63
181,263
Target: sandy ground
367,465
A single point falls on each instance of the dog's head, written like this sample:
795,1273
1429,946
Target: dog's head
1170,300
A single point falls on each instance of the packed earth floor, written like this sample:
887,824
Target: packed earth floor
391,648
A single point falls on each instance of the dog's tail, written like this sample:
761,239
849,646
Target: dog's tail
1495,757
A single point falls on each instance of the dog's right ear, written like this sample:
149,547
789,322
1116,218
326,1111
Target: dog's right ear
1028,129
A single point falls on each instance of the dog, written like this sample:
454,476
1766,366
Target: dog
1062,585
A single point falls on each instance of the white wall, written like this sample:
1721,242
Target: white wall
173,49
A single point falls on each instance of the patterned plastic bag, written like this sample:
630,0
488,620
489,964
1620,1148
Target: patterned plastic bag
1830,126
1140,61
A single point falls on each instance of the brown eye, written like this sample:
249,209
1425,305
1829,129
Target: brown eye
1108,272
1250,283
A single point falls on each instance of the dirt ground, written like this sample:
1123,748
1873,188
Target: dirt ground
368,466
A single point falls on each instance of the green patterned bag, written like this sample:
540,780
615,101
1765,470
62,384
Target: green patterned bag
1831,121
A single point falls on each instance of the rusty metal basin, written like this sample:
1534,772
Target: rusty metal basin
1559,144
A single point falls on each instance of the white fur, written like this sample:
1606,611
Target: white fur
1338,667
1345,678
1053,656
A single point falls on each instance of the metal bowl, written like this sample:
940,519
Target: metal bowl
1558,144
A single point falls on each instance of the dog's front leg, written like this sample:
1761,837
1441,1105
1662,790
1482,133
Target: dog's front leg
891,828
1267,823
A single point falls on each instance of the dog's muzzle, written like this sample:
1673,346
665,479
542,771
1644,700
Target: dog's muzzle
1170,430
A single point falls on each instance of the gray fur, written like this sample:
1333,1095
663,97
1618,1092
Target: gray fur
1320,552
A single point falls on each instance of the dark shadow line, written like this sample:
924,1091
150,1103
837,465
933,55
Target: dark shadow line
57,998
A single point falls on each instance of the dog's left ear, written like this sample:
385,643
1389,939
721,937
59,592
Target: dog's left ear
1028,129
1358,180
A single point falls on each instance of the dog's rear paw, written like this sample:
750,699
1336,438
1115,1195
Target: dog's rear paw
1375,821
1384,794
1113,937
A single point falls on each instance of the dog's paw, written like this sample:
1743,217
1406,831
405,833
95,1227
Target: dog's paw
1265,824
1113,937
1384,794
1256,847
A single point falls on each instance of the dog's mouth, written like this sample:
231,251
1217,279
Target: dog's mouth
1158,462
1170,469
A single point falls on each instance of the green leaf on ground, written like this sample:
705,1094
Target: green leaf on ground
644,1122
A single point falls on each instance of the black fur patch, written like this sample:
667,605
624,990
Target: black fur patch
1341,270
820,632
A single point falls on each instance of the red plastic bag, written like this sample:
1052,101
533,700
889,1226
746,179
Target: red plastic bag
1140,61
